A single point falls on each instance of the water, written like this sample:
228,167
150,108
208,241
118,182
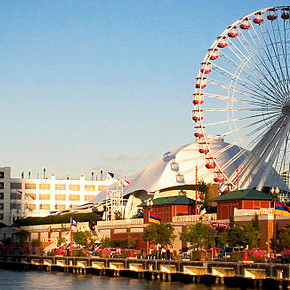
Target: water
56,280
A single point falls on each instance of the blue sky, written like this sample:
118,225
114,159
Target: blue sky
87,85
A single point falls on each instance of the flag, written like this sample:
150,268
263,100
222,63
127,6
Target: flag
111,175
282,209
74,223
154,218
19,191
29,196
124,182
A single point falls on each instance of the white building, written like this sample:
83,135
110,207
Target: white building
21,197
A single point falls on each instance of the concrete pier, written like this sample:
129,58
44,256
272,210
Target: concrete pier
165,270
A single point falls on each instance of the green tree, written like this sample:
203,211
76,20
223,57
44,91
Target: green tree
161,233
36,243
255,223
106,243
81,238
199,235
60,241
22,236
251,236
202,188
285,237
234,236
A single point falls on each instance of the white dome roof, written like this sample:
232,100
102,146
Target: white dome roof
177,168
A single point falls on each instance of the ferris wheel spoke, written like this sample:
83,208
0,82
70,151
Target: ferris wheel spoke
276,51
252,75
279,80
245,83
247,136
262,47
284,49
238,100
240,129
240,119
276,48
245,91
264,147
238,110
256,53
226,98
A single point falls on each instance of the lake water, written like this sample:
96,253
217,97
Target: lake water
31,280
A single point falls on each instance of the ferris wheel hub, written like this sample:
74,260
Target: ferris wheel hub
286,108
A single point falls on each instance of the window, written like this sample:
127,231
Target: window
44,206
1,206
74,197
30,186
30,196
1,174
1,217
44,196
31,206
89,197
1,185
60,187
15,195
102,187
14,185
15,206
44,186
74,187
89,187
60,207
1,195
60,197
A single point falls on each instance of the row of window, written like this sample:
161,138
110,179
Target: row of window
46,207
72,187
63,197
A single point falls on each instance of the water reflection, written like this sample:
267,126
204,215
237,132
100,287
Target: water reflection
55,280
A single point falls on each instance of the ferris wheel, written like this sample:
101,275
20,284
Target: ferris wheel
242,95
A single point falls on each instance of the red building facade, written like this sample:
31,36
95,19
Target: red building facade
241,199
168,207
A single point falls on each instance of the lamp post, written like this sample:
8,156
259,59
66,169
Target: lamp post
149,204
275,192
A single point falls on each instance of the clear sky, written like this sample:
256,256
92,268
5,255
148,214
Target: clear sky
87,85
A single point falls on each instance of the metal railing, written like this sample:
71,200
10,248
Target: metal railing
194,218
120,222
243,212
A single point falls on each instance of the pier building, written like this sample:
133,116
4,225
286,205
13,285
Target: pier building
23,197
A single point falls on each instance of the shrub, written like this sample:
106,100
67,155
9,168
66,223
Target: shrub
125,254
236,257
195,256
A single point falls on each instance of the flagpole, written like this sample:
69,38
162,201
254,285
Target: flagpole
71,236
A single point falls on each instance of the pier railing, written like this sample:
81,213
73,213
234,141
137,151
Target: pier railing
194,218
243,212
126,222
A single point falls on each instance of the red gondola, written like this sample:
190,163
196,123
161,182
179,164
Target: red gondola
258,18
285,14
272,14
245,24
205,67
233,32
213,54
200,83
222,42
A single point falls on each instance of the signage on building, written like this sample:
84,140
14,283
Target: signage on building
216,225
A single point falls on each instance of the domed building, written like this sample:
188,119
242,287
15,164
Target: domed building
175,173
